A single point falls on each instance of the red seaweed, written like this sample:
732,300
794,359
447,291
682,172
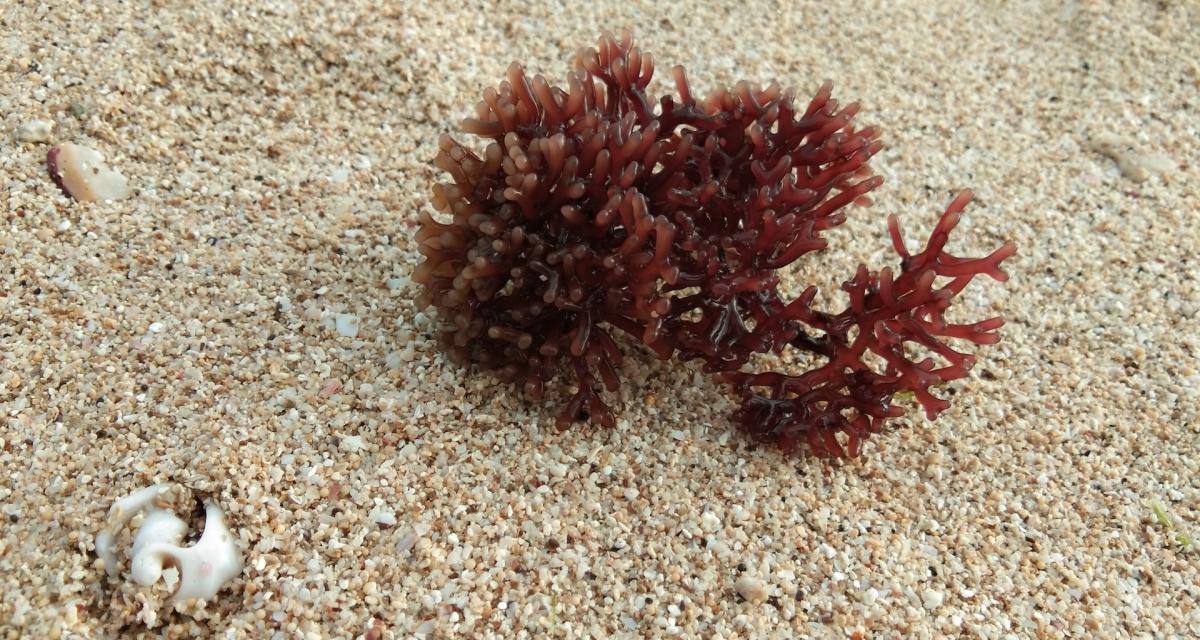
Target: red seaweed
596,208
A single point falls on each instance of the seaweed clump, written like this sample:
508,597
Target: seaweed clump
595,209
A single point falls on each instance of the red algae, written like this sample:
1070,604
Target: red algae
596,208
892,313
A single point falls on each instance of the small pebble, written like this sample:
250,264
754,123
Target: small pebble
347,325
751,588
384,516
932,599
35,131
352,443
408,541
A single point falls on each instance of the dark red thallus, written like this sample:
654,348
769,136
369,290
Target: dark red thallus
590,209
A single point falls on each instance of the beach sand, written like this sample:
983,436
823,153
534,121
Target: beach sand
278,158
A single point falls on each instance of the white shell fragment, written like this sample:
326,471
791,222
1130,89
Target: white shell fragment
119,515
83,175
1133,163
202,568
35,131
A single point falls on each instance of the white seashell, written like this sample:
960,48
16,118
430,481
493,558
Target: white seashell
200,570
82,174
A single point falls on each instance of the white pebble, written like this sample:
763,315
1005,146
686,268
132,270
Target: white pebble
710,522
170,578
35,131
933,599
352,443
718,548
383,515
156,327
751,588
408,542
347,324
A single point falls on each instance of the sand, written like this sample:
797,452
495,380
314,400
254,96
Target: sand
278,157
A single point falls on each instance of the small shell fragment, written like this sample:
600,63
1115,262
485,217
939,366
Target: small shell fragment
1134,163
82,174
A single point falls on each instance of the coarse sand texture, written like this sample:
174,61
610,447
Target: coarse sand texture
208,318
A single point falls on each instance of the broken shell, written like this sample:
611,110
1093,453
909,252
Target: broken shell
1133,163
202,569
83,175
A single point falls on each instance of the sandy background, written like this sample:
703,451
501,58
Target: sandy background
279,156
